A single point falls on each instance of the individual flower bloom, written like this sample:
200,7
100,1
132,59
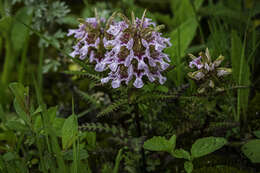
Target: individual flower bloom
220,89
146,23
211,84
209,67
201,90
89,39
122,74
116,27
223,71
196,63
197,75
134,52
218,61
207,55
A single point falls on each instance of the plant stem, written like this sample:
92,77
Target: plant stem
139,130
39,74
179,58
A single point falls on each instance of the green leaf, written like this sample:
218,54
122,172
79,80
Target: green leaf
16,125
21,111
180,8
2,114
182,36
38,110
240,71
207,145
220,10
91,139
257,133
19,91
188,166
69,131
91,76
157,143
9,137
236,48
172,142
57,125
83,154
181,154
113,107
5,25
9,156
187,31
51,112
163,88
252,150
21,101
119,157
2,163
19,32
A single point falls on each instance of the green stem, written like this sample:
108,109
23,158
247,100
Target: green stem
39,75
139,130
8,62
24,56
46,136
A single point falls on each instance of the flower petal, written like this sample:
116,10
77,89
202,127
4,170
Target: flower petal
116,83
138,83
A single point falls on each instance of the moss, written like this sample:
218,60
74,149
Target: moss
220,169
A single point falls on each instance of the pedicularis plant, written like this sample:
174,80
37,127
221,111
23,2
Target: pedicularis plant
207,72
130,52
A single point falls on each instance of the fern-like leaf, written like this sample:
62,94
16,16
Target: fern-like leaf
154,97
113,107
216,126
187,127
98,127
85,96
90,76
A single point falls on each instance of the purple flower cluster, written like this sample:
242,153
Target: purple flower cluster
206,67
130,50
